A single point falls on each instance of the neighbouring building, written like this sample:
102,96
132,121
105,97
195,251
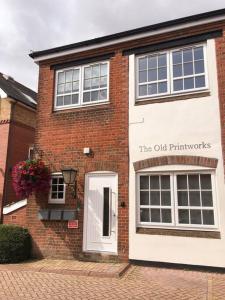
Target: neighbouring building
17,129
140,116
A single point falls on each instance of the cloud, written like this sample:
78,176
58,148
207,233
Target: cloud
36,25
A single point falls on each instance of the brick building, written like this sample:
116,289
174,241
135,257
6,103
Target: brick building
140,116
17,126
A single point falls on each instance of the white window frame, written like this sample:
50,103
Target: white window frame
31,148
81,87
56,201
174,202
170,78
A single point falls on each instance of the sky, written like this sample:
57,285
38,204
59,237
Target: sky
41,24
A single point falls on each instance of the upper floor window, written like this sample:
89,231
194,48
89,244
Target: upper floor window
82,85
170,72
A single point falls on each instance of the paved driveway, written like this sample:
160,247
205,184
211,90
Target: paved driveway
137,283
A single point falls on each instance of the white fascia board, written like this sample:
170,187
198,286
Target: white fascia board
129,38
10,208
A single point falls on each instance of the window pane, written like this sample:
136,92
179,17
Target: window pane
155,215
102,94
183,216
94,96
142,76
61,77
144,182
68,87
208,217
154,182
177,57
69,76
152,62
144,198
103,81
199,67
162,60
166,216
60,188
144,215
60,180
165,198
60,195
193,181
152,89
206,181
106,211
155,198
54,196
142,90
152,75
165,182
76,86
54,188
75,99
182,198
95,83
95,71
87,84
60,89
195,216
87,72
103,68
143,63
178,85
188,69
207,198
187,55
194,198
86,97
76,75
162,73
188,83
67,100
177,71
200,81
181,182
162,87
198,53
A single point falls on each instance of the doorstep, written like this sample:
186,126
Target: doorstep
70,267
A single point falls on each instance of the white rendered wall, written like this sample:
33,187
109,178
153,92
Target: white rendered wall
190,121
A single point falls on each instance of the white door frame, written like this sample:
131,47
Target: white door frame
87,175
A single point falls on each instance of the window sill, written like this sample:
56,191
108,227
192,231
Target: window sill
82,107
176,232
174,97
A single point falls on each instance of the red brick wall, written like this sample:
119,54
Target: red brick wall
17,217
62,137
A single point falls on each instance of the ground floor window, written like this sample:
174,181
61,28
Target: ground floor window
57,191
177,199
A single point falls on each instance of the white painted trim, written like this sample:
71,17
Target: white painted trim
3,94
57,201
130,38
10,208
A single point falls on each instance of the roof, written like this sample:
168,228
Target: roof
18,91
130,33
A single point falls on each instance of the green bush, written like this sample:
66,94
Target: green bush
15,244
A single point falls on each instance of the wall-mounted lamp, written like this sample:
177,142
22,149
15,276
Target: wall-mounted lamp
69,177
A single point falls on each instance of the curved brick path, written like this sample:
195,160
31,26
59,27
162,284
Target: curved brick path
137,283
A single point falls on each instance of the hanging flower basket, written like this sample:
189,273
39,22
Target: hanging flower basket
30,176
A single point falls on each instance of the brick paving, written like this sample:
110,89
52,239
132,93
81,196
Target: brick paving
137,283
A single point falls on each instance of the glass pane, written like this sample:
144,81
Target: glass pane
162,87
95,83
54,188
198,53
183,216
142,90
207,198
193,181
208,217
181,182
206,181
188,83
162,73
86,97
155,215
166,216
61,77
177,71
60,180
95,71
182,198
165,182
144,215
177,57
144,182
162,60
194,198
178,85
54,196
199,67
54,181
142,76
103,81
195,216
87,84
60,89
60,195
103,68
102,94
106,211
94,96
76,86
87,72
75,99
143,63
68,87
187,55
152,75
152,62
59,101
60,188
152,89
200,81
155,198
154,182
144,198
188,69
76,75
69,76
67,100
165,198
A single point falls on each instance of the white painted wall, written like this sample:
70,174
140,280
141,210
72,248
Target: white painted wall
189,121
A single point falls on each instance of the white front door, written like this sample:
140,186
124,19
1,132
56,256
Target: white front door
100,220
